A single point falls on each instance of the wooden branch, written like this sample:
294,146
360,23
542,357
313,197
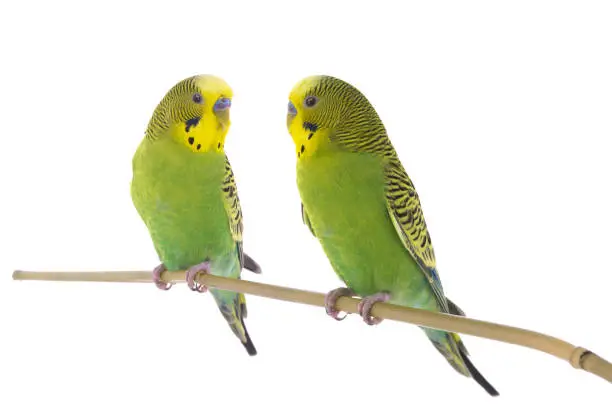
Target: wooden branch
578,357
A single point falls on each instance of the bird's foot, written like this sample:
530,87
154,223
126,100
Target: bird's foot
193,272
157,271
332,297
365,306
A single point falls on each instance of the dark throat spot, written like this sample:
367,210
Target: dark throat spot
191,123
190,140
310,136
310,127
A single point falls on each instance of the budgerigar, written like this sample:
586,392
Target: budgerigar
184,190
359,202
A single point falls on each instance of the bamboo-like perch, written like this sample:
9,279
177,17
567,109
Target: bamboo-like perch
578,357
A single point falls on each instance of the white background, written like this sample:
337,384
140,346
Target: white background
500,113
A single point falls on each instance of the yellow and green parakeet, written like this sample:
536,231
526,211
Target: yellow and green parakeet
359,202
184,190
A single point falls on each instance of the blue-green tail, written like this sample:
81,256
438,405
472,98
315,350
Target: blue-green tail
233,308
454,351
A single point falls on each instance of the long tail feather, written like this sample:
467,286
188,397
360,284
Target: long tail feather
233,308
461,355
477,376
248,344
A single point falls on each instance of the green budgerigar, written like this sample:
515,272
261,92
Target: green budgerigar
359,202
184,190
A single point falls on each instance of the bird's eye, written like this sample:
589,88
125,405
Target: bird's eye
310,101
222,104
291,109
197,98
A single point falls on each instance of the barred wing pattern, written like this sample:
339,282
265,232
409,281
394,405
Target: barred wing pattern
405,211
232,207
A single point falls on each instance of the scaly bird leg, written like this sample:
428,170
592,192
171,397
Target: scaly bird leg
192,273
157,271
332,297
365,306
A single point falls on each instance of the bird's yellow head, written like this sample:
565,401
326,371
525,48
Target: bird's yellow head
326,114
195,112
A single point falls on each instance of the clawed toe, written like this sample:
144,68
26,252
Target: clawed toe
192,273
157,272
365,307
330,301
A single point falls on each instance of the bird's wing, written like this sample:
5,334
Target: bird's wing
405,211
232,207
234,215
